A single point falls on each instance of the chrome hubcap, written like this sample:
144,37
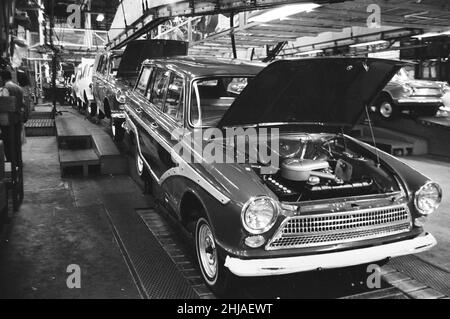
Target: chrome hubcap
207,251
113,129
386,109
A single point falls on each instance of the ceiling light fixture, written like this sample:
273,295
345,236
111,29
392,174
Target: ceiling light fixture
100,17
366,44
431,34
284,11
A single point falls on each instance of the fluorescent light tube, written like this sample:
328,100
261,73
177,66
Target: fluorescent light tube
365,44
284,11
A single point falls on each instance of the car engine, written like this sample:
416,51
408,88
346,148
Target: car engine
323,166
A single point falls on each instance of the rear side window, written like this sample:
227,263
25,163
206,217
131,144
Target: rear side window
100,63
174,98
103,65
158,87
143,80
114,64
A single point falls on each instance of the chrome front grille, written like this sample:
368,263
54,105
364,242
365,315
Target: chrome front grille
325,229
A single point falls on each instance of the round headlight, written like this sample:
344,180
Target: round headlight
259,214
428,198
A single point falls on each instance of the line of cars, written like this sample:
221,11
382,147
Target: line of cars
332,201
421,97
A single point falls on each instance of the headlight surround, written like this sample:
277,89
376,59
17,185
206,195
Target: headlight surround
428,198
259,214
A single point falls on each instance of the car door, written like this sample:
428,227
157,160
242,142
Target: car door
137,109
171,119
153,140
97,80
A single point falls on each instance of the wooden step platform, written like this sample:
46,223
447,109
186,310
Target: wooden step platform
85,161
72,133
394,147
112,162
40,127
87,145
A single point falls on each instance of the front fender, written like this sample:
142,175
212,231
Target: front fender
411,179
225,219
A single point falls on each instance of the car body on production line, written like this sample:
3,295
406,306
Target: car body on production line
422,97
331,201
82,84
116,71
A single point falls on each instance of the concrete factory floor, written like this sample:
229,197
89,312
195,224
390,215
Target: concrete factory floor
62,222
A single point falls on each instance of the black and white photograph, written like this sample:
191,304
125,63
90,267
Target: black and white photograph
222,155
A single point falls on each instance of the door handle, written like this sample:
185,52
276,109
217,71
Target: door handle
139,110
154,125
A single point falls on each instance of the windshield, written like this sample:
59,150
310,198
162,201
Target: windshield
211,97
402,75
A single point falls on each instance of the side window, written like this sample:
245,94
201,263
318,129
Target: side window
103,65
158,87
174,98
83,74
143,80
114,61
100,63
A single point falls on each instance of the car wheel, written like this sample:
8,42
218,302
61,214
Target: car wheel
117,130
386,108
212,268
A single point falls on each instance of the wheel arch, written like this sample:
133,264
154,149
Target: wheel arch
191,208
382,96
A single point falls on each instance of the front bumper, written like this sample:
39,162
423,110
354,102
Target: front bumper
419,101
288,265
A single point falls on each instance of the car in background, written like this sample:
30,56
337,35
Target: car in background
421,97
333,201
115,72
82,86
446,97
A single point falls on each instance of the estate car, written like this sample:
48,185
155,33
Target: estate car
324,200
422,97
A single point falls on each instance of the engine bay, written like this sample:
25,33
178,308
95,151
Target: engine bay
321,166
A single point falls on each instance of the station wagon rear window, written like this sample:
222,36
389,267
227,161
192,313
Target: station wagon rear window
211,98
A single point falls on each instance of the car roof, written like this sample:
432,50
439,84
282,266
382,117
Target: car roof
194,67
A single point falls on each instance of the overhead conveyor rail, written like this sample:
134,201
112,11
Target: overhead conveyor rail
135,18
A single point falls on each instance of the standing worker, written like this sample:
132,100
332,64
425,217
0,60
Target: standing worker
15,90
